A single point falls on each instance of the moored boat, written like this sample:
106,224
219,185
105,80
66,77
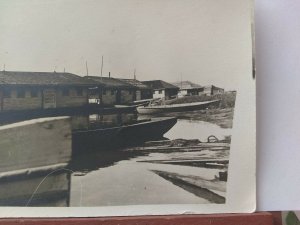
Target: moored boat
154,109
123,135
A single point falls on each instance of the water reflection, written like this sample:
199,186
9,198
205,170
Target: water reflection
100,121
125,176
120,175
100,159
38,187
102,132
192,129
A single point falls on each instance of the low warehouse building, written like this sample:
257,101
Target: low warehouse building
42,90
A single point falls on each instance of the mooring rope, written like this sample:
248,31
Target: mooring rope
35,191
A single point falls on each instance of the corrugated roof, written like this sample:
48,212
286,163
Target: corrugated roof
41,78
159,84
110,82
186,85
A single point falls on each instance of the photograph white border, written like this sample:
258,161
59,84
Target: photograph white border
241,185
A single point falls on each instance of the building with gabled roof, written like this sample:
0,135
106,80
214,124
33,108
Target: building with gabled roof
188,88
162,89
213,90
142,90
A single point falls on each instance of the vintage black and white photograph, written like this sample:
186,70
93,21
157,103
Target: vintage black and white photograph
111,103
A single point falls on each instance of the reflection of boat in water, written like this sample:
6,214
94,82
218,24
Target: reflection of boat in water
154,109
39,186
34,157
127,134
22,115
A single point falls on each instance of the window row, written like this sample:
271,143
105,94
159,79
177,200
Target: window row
35,93
21,93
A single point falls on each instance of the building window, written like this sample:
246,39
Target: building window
21,94
104,92
65,92
112,92
130,92
160,92
34,93
7,94
79,92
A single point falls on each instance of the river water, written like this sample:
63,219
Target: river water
128,179
126,176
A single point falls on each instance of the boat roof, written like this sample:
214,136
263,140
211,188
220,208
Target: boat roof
110,82
42,78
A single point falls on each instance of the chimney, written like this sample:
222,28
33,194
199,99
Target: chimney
109,74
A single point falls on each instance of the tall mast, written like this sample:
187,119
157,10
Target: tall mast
101,66
87,69
134,76
180,80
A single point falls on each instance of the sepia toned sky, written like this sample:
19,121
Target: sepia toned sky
207,41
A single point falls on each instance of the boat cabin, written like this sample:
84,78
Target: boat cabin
41,90
112,91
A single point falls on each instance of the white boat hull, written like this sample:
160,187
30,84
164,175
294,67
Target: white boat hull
175,107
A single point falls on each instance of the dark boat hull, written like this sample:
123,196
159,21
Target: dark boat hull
108,138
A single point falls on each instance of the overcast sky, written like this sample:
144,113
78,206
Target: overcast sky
207,41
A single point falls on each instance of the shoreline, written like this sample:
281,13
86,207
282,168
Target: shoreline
221,117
